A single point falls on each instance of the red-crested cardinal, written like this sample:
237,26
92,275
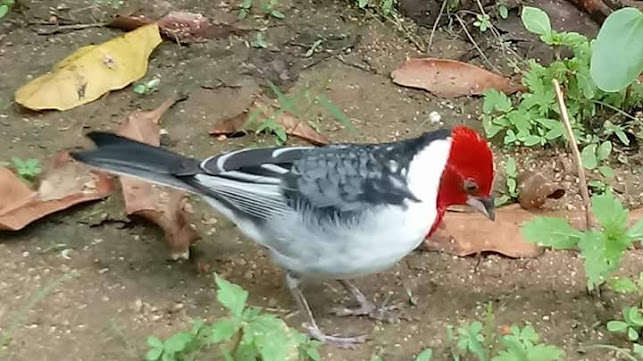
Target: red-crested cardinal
330,213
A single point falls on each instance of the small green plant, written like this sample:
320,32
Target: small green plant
631,325
511,172
602,248
148,87
382,7
425,355
591,157
268,7
246,334
28,169
5,7
483,22
259,42
532,121
293,104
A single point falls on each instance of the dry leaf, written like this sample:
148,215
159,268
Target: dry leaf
67,184
92,71
466,233
534,189
450,78
183,27
291,124
161,205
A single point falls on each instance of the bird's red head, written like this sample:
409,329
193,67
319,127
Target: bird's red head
468,175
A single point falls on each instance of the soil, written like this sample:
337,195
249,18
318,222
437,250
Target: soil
125,290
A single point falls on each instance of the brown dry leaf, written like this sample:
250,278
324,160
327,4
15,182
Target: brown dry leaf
291,124
450,78
183,27
161,205
68,183
467,233
534,189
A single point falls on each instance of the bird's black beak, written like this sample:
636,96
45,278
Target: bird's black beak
484,205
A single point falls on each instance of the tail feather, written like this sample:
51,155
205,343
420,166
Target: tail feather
123,156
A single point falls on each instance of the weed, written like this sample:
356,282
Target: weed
259,42
481,341
483,22
511,172
246,334
532,121
602,248
148,87
5,7
293,104
268,7
28,169
425,355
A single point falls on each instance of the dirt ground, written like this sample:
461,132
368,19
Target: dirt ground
125,289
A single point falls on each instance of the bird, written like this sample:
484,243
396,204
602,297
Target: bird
336,212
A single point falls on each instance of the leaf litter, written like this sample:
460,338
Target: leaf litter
450,78
66,184
166,207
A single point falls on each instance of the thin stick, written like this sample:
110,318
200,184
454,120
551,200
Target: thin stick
464,27
620,111
579,164
435,25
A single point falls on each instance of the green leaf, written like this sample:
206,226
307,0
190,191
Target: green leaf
277,14
231,296
425,355
602,256
246,4
177,342
588,157
635,317
223,329
535,20
637,349
632,334
495,100
636,231
617,53
362,3
4,10
153,354
531,140
551,232
511,168
617,326
335,111
604,150
502,11
610,212
270,336
606,171
154,342
624,285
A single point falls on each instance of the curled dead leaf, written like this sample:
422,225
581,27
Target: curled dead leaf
291,124
534,189
68,183
161,205
450,78
92,71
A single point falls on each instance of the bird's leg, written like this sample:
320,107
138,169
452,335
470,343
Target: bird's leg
366,307
313,330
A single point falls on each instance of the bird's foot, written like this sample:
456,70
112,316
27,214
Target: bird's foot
338,341
382,313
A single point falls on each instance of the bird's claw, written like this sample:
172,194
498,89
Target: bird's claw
338,341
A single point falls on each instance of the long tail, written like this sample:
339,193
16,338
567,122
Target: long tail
124,156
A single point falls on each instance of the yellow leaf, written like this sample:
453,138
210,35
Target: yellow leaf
92,71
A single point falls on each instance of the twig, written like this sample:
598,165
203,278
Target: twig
464,27
396,21
620,111
61,28
435,25
579,164
366,68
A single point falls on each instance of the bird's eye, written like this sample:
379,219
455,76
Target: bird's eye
470,186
